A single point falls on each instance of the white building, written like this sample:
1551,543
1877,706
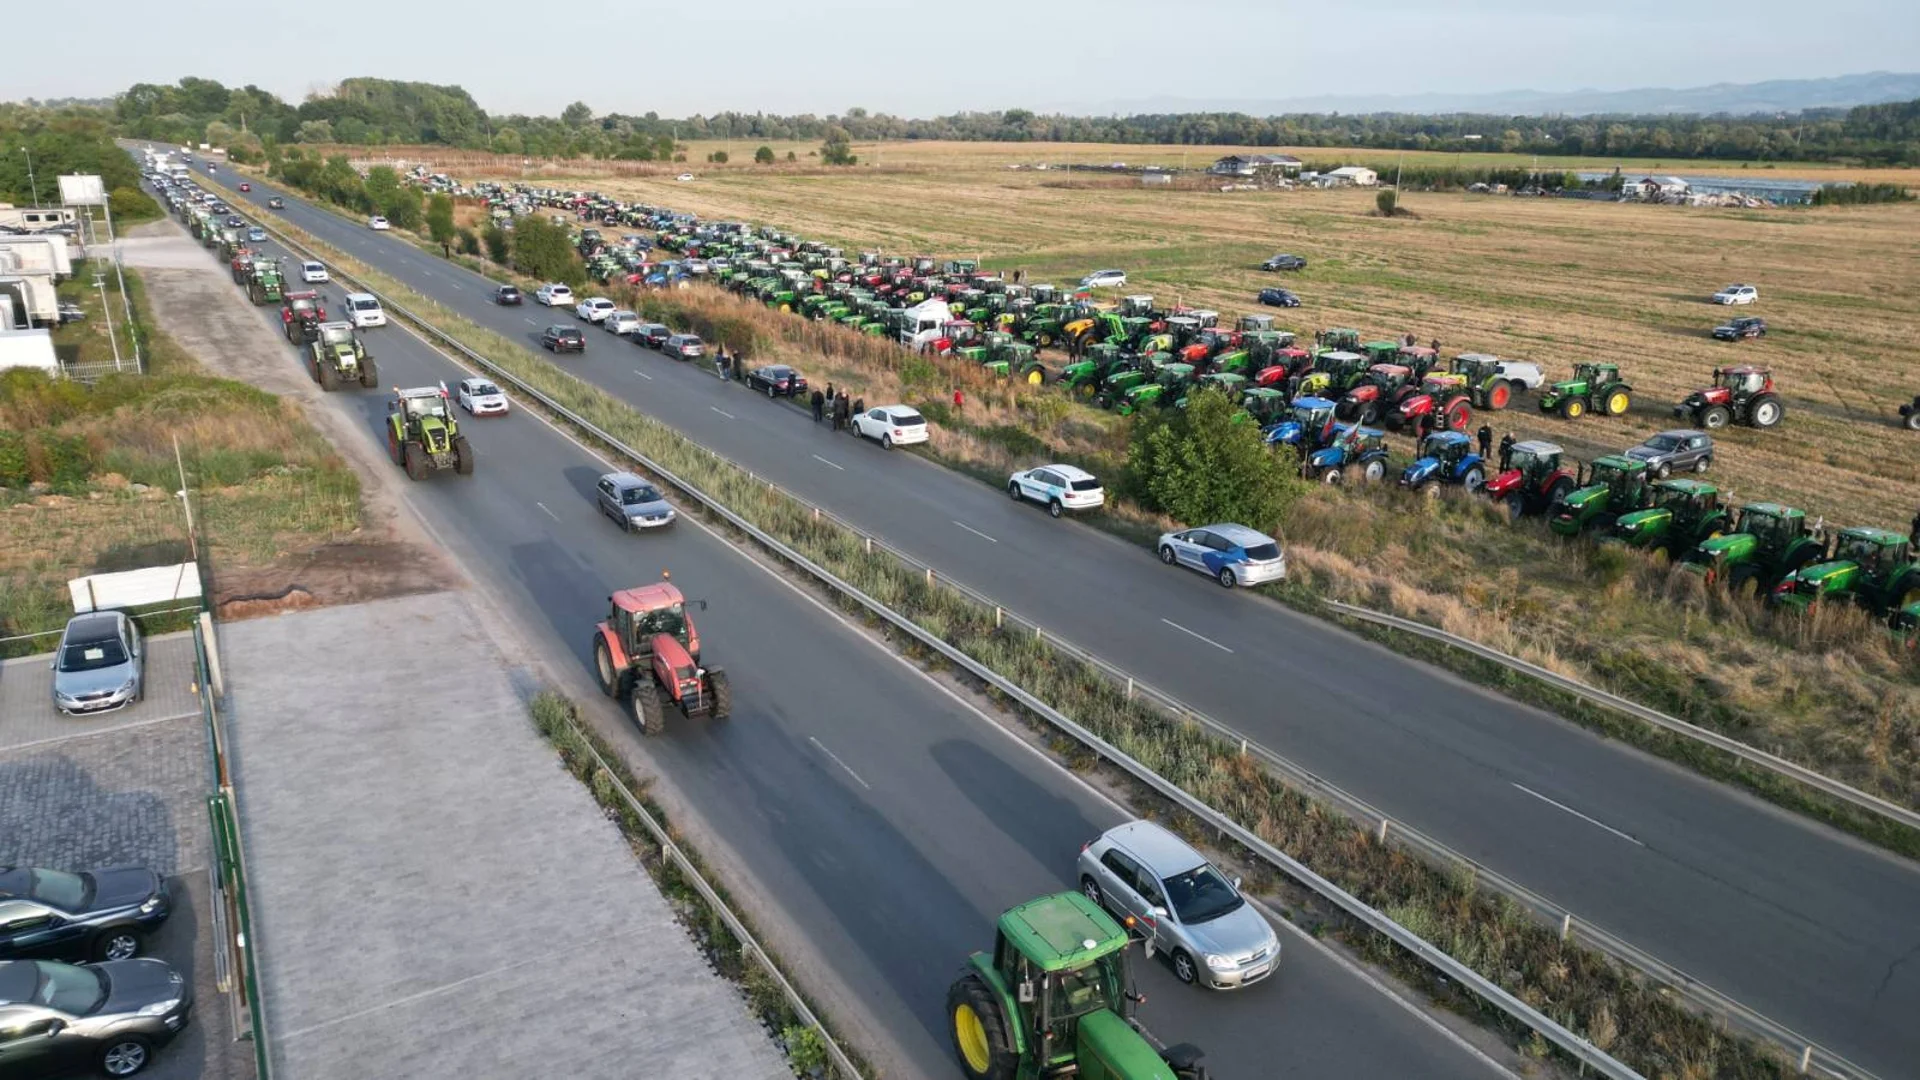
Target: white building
1356,175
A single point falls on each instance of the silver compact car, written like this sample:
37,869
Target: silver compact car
1180,904
98,666
633,502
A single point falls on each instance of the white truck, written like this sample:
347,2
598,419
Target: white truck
36,253
32,299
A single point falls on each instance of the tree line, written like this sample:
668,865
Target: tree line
367,111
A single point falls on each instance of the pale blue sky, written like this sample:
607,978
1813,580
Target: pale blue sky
919,59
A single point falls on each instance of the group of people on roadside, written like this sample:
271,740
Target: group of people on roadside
834,406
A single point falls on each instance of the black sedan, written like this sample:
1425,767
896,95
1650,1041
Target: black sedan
1284,262
652,334
1741,329
563,339
778,380
59,1018
97,915
508,295
1278,298
234,222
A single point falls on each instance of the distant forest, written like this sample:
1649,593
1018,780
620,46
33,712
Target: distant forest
368,111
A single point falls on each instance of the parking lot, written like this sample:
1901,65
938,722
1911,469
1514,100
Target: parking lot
125,788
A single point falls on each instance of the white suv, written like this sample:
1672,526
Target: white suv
378,223
892,425
554,295
594,310
1058,487
1737,294
312,272
364,310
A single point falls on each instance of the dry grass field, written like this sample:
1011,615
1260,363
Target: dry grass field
1554,281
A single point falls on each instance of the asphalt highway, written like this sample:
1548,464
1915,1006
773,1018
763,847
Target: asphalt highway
1793,919
885,819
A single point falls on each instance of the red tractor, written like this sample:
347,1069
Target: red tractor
1532,479
1283,365
1442,403
1379,393
301,314
1739,395
648,649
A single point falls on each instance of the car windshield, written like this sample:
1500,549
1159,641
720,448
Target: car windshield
73,990
1201,894
1263,552
638,496
92,655
1664,443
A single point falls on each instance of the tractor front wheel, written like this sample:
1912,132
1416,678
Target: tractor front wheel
1912,420
329,379
1715,417
1332,476
1375,471
1458,415
1573,408
646,707
722,691
1474,481
416,462
980,1030
463,460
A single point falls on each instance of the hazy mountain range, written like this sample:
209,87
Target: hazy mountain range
1739,99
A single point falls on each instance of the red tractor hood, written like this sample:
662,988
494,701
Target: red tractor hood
1714,395
667,650
1506,483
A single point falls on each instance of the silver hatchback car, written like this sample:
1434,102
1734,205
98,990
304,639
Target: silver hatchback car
633,502
98,667
1181,904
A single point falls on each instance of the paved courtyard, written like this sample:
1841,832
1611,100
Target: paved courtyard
434,895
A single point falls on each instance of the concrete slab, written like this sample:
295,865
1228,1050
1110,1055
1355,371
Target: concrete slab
434,895
134,793
27,715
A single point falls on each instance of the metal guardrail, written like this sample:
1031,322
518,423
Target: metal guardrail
230,867
1577,1048
1772,763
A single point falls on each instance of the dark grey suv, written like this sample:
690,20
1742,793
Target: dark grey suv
1677,450
57,1018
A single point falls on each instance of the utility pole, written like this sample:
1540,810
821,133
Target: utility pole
35,184
186,501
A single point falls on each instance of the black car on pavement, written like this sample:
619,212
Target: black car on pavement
1284,262
652,334
56,1019
563,339
1676,450
1751,326
1278,298
507,294
93,915
778,380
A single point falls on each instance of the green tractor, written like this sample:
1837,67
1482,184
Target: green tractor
1262,406
1770,542
1224,381
1875,567
264,284
1338,340
1006,356
1615,485
1596,387
1083,376
1169,385
1333,374
422,434
1055,999
338,358
1685,513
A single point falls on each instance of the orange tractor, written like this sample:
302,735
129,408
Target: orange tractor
647,654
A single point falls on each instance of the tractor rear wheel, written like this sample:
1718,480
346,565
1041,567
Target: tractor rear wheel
645,702
463,460
1766,411
1618,401
369,375
603,669
1715,417
1499,394
1913,420
393,448
1573,408
1375,471
722,691
416,462
980,1030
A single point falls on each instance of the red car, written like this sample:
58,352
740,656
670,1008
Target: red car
246,187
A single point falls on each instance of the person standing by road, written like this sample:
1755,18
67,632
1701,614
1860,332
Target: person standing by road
859,406
959,400
1506,451
1485,436
819,405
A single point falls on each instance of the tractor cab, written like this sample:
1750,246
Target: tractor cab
1743,381
1262,405
1227,383
1535,478
1442,397
1381,352
1338,340
1255,324
1138,306
1684,513
1873,566
1615,485
638,615
1445,457
1308,426
1378,388
1184,328
1342,370
1421,358
416,405
338,335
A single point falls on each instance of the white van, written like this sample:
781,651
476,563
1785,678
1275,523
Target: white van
364,310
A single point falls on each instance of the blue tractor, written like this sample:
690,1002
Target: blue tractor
1354,451
1307,427
1446,457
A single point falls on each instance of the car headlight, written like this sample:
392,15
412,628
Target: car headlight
1221,963
152,905
160,1008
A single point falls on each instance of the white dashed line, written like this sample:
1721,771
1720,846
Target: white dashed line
549,513
1202,637
643,374
837,761
976,532
723,412
830,464
1578,814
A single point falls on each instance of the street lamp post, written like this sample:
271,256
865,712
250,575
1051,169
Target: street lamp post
31,182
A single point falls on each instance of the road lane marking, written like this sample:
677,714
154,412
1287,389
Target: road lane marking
530,322
1202,637
976,532
723,412
643,374
837,761
1578,814
824,461
549,513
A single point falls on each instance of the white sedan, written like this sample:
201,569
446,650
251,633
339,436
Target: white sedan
1058,487
620,322
481,398
312,272
554,295
378,223
594,309
892,425
1737,294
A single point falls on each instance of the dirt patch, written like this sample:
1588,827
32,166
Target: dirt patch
392,555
